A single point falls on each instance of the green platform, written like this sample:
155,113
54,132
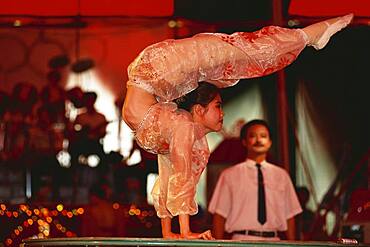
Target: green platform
162,242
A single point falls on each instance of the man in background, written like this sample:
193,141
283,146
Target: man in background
255,199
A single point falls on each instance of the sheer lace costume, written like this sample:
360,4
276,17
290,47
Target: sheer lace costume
183,153
172,68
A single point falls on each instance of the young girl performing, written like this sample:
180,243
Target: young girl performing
171,69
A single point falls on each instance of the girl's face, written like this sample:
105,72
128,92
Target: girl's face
213,115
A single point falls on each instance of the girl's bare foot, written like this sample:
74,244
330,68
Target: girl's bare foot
320,33
204,235
171,235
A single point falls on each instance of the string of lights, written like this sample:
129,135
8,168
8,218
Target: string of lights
46,219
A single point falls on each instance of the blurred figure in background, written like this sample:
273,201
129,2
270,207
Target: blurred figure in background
17,119
306,218
90,126
4,104
100,218
86,148
254,199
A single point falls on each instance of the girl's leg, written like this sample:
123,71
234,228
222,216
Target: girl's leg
320,33
166,229
223,58
136,105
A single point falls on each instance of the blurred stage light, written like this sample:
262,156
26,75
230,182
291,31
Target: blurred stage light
93,160
64,159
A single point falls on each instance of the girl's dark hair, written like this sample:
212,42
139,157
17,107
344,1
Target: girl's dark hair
202,95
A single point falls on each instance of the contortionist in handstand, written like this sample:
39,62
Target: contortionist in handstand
171,69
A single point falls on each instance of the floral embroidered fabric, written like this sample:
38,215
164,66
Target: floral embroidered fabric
183,155
172,68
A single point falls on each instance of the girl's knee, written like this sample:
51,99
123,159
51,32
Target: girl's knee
128,116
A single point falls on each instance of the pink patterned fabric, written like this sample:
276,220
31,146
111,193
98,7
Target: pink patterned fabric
172,68
183,155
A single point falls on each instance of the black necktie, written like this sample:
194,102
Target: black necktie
261,197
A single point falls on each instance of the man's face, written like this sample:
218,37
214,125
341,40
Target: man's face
257,139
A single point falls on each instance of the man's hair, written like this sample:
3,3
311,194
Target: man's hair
202,95
244,129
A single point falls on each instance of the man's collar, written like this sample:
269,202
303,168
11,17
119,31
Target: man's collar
252,163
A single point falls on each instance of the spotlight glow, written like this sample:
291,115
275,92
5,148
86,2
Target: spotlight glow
93,160
64,159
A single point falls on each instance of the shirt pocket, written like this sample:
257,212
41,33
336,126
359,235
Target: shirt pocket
275,193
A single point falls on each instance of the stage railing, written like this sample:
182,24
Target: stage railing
166,243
